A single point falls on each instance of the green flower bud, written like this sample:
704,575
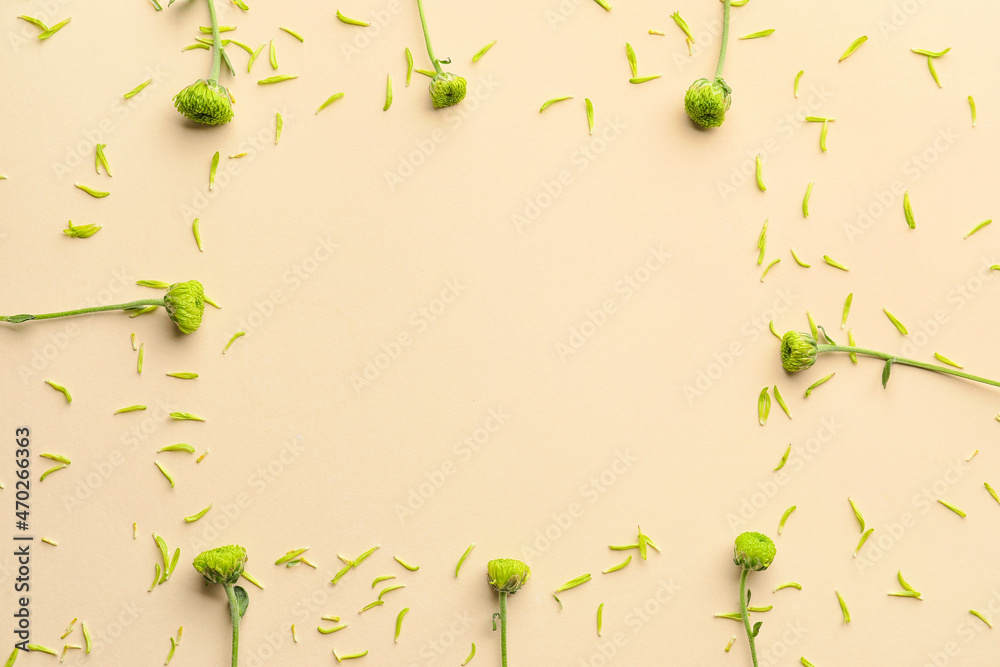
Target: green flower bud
185,303
205,102
447,89
507,575
222,565
753,551
706,102
798,351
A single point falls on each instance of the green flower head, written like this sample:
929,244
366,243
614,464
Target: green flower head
753,551
706,102
205,102
798,351
447,89
222,565
507,575
185,303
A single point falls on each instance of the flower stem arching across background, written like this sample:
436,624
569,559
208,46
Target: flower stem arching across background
799,351
446,89
706,102
184,303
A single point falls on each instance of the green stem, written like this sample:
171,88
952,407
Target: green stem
743,603
131,305
725,39
427,38
503,626
217,44
234,613
905,362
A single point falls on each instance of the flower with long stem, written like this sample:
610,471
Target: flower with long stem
446,88
224,565
799,351
753,552
706,102
206,101
184,303
506,576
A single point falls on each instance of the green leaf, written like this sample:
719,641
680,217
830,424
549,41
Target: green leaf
242,599
886,371
756,628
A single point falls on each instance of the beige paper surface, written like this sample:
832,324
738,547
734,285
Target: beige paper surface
482,324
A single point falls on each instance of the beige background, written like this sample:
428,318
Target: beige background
327,247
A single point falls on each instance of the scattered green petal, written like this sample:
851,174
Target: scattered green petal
464,556
784,458
853,47
992,492
482,52
835,264
100,159
798,261
277,79
781,402
92,192
50,471
787,584
35,22
632,62
644,79
389,589
472,654
183,376
411,568
784,518
279,123
857,514
165,473
55,457
330,100
763,406
180,416
350,21
972,108
843,607
388,93
399,623
138,89
755,35
409,66
81,231
981,617
372,605
548,103
292,33
818,383
931,54
60,388
773,262
952,508
211,172
798,77
195,517
590,113
131,408
179,447
232,340
943,359
54,29
291,555
619,566
978,227
895,322
760,175
805,200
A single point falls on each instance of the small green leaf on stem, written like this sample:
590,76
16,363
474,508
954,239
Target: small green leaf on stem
886,370
242,599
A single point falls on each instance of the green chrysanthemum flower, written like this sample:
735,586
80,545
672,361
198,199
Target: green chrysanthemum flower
754,551
798,351
185,304
447,89
707,102
205,102
222,565
507,575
